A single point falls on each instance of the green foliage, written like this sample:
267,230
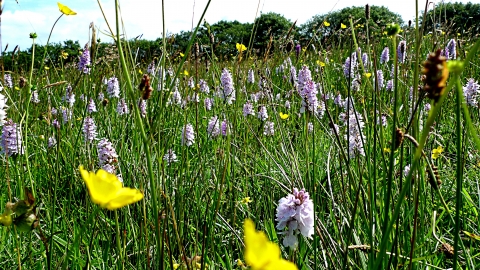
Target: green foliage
379,16
454,18
270,25
22,59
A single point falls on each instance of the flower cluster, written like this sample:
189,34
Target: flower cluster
113,88
227,91
188,135
170,157
89,129
107,156
11,139
471,92
122,107
295,212
84,63
385,56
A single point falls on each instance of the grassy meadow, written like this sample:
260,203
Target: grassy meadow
362,154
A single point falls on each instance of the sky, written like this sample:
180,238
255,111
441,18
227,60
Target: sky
144,17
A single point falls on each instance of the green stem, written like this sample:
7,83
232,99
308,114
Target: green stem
139,124
46,45
119,245
458,195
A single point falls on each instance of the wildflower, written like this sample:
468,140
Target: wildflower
113,89
283,116
65,10
151,68
355,136
188,135
260,253
268,129
437,152
191,83
66,114
208,102
287,105
251,76
470,91
101,96
246,200
107,190
213,128
227,93
34,98
51,142
295,211
452,49
343,26
3,107
170,157
327,24
8,80
365,60
142,105
390,85
69,97
204,86
55,123
84,63
427,107
122,107
379,79
89,129
386,150
304,75
225,127
11,142
185,72
385,57
241,47
293,75
107,156
262,113
248,109
310,127
176,98
91,107
338,100
310,100
298,48
350,65
401,51
406,170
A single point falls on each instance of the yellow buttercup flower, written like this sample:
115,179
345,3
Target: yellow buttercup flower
107,191
368,75
65,10
262,254
343,26
283,115
320,63
182,55
185,72
241,47
246,200
437,152
327,24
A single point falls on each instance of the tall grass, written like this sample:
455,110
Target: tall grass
370,213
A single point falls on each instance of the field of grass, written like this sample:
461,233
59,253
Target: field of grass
330,152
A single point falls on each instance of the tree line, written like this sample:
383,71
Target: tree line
268,32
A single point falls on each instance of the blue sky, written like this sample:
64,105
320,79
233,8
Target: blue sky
21,17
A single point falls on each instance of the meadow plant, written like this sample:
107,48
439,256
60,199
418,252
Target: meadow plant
295,213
